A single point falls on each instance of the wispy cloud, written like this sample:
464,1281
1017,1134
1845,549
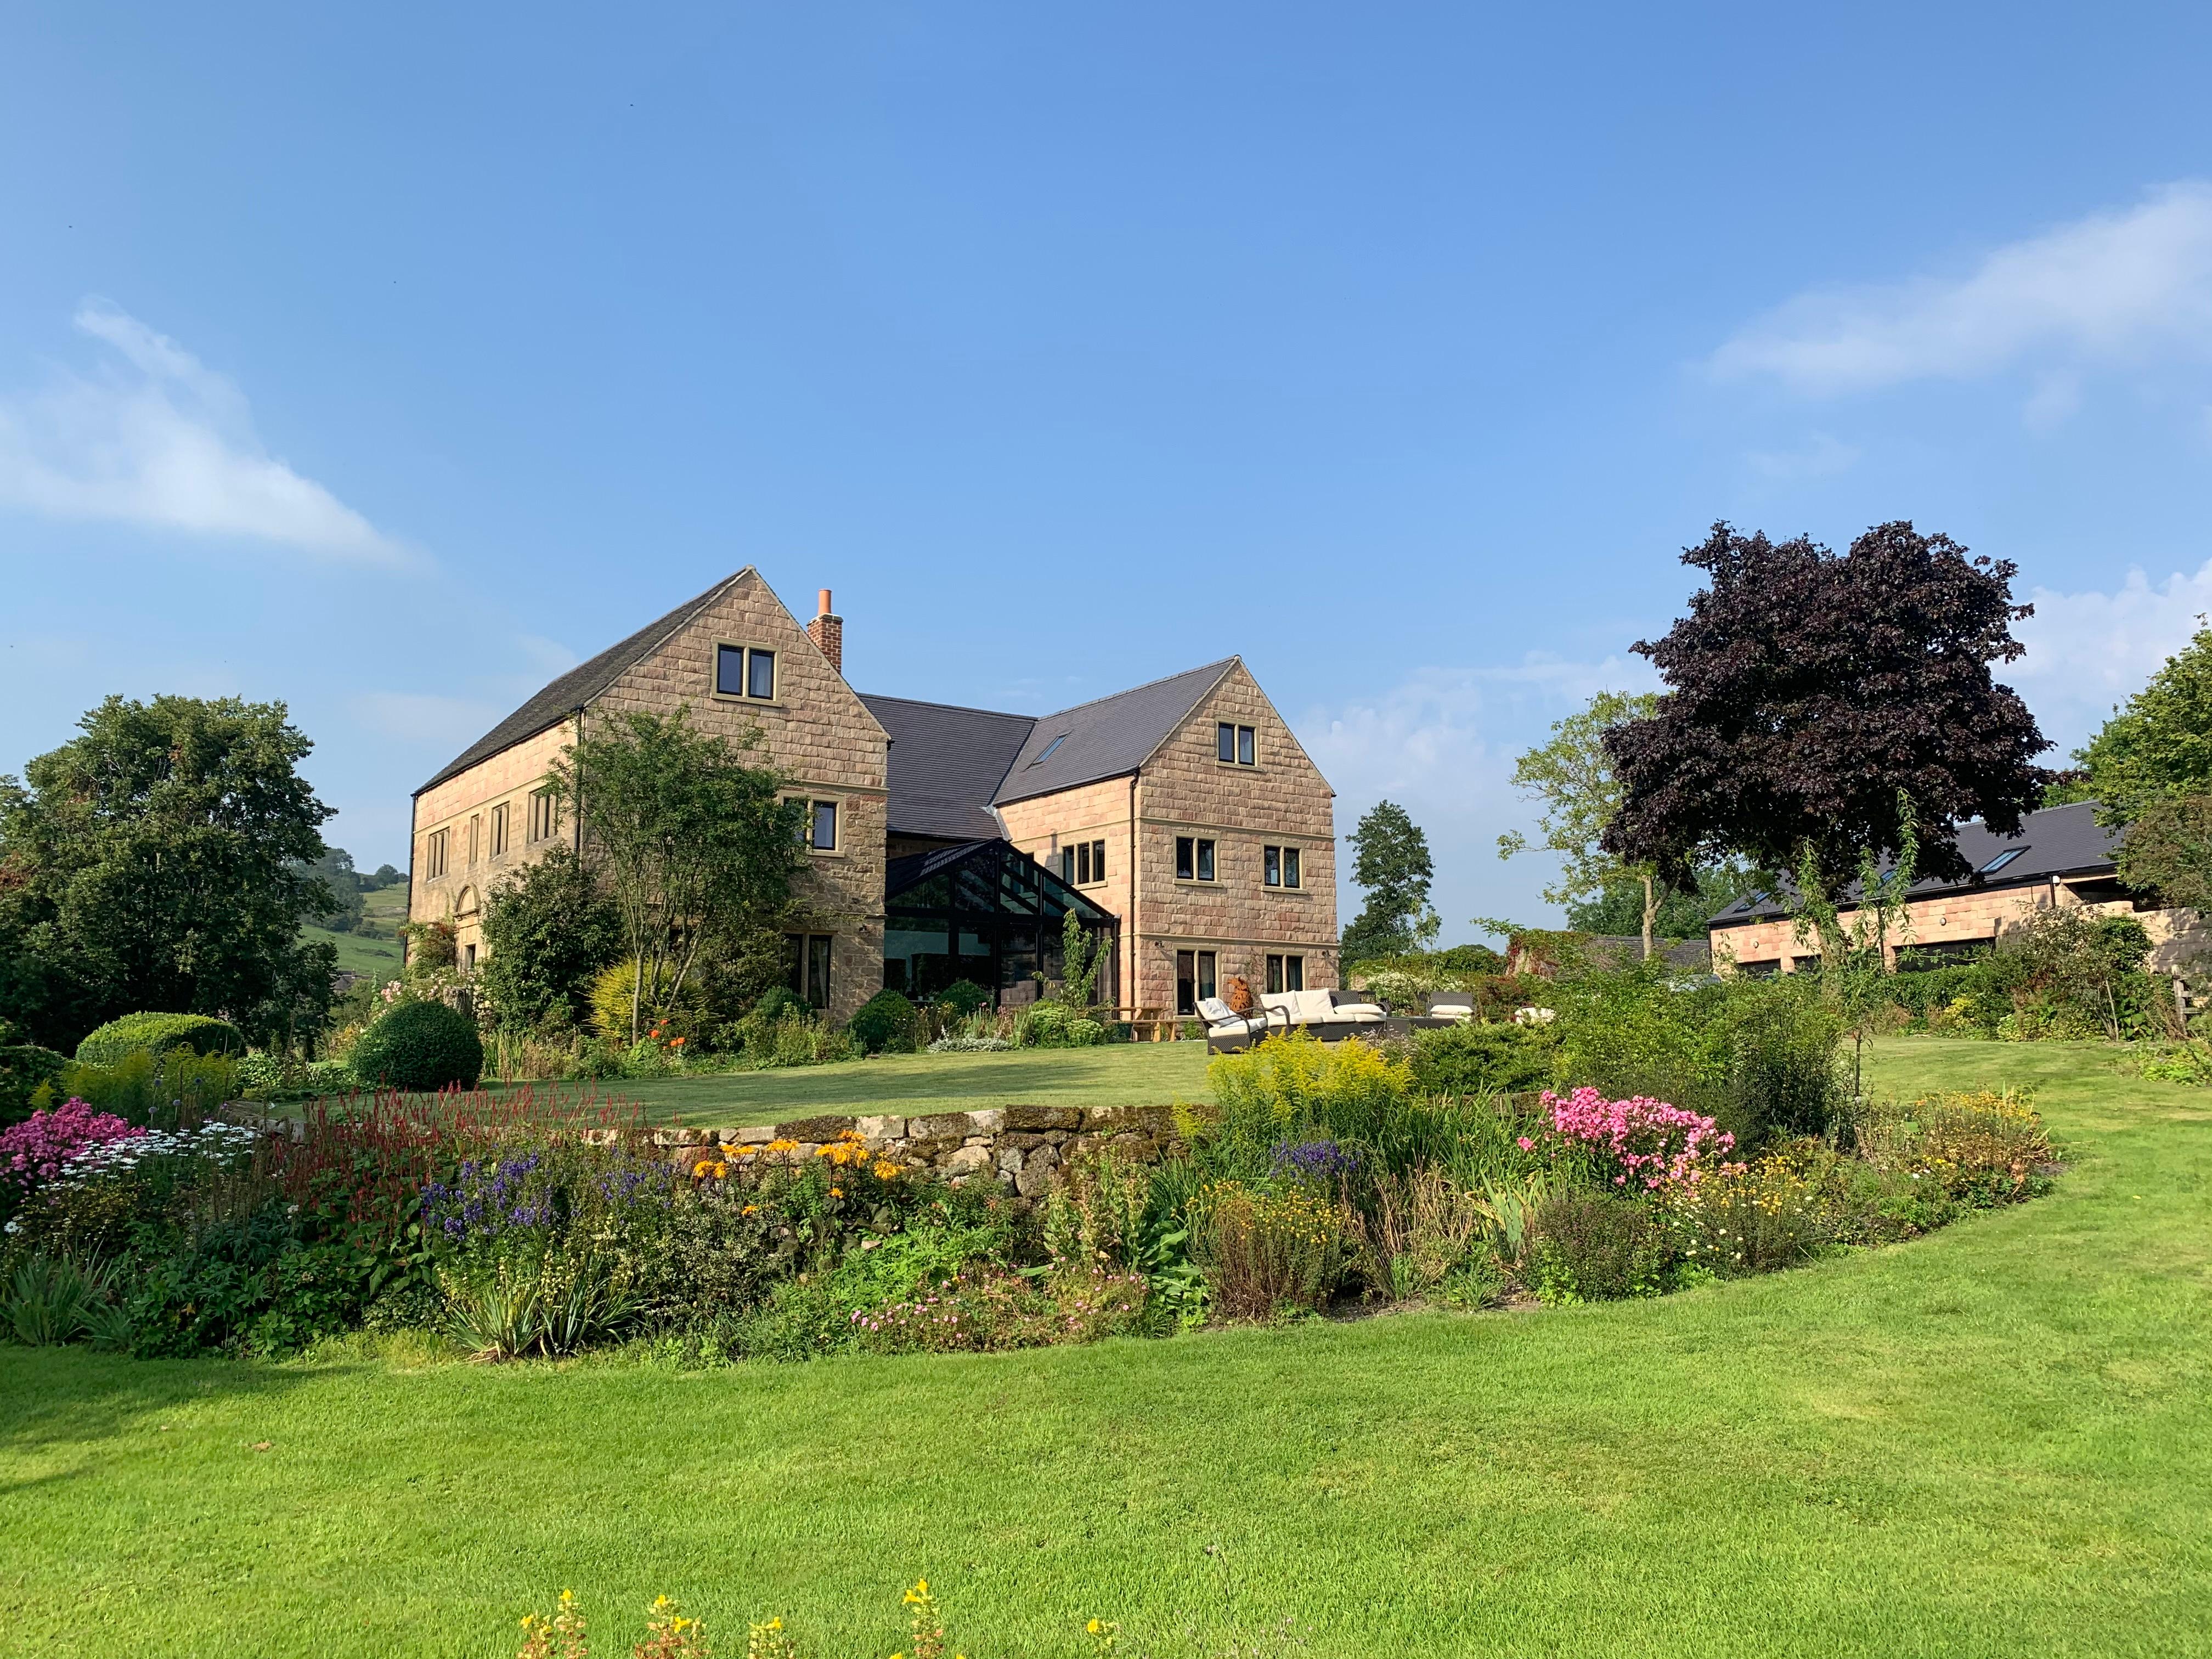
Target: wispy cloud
153,437
2111,286
2086,652
1819,457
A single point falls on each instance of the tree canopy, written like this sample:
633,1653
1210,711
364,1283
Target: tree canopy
548,929
1392,864
162,861
2158,744
688,841
1806,689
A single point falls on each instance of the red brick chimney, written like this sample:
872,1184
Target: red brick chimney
827,630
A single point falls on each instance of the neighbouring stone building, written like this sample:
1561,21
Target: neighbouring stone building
2061,857
1181,821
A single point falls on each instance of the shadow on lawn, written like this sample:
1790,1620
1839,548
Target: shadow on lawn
55,1398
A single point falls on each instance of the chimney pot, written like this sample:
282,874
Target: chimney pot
827,630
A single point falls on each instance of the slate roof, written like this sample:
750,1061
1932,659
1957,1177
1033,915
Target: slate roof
573,690
1106,738
946,765
2058,841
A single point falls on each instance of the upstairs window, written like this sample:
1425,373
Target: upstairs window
1194,859
822,827
1279,866
433,855
499,829
1235,745
1083,863
744,670
544,815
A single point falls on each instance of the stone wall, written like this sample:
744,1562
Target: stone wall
1021,1147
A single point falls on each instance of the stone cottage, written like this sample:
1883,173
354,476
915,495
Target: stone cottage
1180,820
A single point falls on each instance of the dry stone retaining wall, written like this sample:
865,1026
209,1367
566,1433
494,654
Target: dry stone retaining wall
1022,1147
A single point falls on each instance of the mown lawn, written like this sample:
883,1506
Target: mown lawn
1121,1074
1997,1440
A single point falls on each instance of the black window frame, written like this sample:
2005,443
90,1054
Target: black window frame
1224,742
755,657
1248,746
1209,868
750,662
1185,858
1271,866
814,810
1293,869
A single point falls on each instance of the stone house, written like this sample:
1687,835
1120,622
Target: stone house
2061,857
1180,820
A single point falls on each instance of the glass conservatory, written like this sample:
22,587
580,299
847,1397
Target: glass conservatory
987,912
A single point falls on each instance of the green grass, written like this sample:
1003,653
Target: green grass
358,953
1120,1074
1994,1441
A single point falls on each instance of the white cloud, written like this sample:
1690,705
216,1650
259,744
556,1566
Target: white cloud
156,438
1442,744
451,723
2088,652
2113,286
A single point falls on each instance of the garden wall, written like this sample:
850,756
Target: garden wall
1021,1147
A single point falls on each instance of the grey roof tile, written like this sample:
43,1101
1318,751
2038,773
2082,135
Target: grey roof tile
557,701
1108,738
946,765
2058,841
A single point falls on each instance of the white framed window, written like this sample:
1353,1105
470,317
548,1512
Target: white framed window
745,671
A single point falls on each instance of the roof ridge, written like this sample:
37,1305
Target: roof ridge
1128,690
955,708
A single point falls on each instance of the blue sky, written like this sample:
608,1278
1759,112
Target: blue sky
388,363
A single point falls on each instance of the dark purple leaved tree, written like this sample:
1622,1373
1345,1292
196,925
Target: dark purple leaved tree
1806,689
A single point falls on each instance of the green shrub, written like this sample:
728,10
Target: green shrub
1783,1041
961,998
777,1001
886,1022
1054,1025
157,1034
165,1090
25,1068
1482,1057
419,1047
1597,1247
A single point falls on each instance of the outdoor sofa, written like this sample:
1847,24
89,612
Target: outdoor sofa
1317,1011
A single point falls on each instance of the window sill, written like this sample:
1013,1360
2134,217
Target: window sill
1237,766
1192,881
1279,891
743,701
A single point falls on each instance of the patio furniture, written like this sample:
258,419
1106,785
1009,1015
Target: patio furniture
1226,1031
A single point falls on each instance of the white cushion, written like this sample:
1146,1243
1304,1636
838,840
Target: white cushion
1215,1012
1358,1011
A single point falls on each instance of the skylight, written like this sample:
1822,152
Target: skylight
1049,748
2001,859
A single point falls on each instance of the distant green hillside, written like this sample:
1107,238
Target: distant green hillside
358,954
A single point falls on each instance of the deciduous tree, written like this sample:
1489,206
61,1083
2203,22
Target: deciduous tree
159,861
1392,863
688,839
1805,690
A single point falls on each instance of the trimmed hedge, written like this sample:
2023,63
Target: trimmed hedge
157,1034
419,1047
23,1067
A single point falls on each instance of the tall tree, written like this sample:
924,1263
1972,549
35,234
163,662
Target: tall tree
548,929
2159,743
1805,690
1572,779
160,862
686,838
1392,864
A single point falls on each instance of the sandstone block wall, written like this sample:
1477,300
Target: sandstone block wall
1023,1148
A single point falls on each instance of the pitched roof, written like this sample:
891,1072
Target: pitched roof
2058,841
946,765
1108,738
561,697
